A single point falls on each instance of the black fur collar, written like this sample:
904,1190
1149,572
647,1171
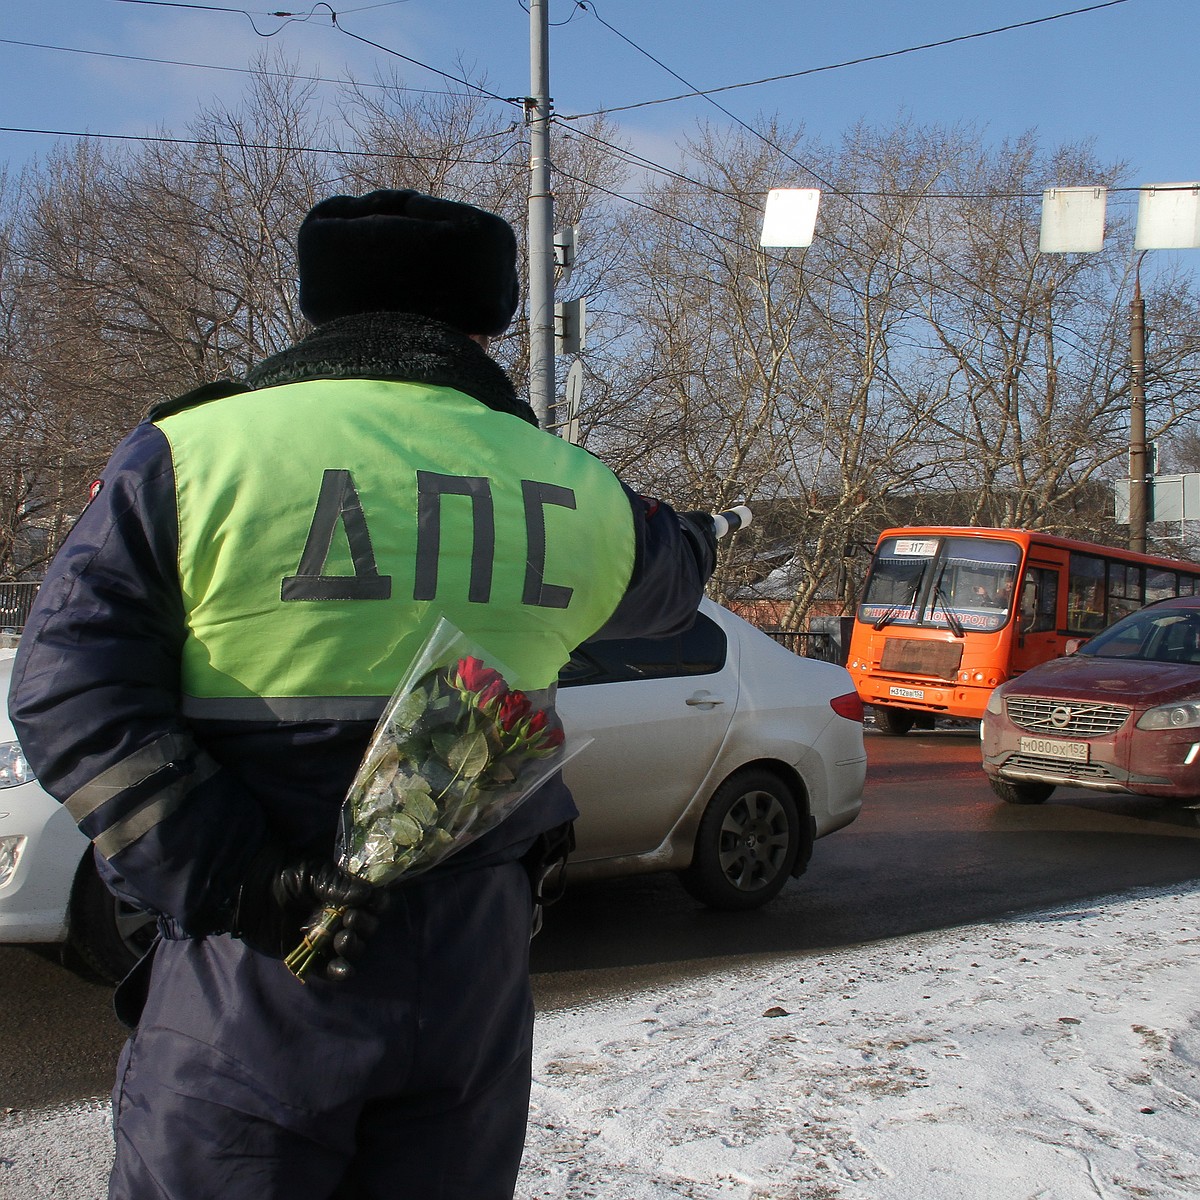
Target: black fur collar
394,346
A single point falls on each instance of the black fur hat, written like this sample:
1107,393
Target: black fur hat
402,251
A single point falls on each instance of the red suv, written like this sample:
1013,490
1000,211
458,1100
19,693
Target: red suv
1121,714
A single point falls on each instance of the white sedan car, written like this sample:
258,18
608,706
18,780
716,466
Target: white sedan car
717,754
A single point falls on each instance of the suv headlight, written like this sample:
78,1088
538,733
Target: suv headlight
14,770
1170,716
995,704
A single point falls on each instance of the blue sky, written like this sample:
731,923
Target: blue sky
1121,74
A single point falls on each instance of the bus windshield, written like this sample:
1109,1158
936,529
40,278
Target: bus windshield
959,583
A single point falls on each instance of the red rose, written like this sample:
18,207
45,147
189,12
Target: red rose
514,708
487,685
473,675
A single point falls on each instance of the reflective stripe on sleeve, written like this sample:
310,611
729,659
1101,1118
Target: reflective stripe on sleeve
139,765
157,808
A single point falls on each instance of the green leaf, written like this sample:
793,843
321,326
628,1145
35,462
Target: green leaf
441,778
414,746
404,830
469,756
411,789
438,842
376,853
421,807
502,774
442,742
408,711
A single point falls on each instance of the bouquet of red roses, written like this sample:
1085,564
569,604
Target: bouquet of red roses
454,753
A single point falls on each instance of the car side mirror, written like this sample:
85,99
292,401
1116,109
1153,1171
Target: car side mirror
1073,644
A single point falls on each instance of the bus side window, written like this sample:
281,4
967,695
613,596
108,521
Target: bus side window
1160,585
1039,601
1126,590
1085,606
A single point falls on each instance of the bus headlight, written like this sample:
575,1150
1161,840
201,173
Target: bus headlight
1170,716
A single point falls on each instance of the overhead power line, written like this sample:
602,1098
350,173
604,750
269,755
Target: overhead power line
217,143
628,156
295,16
850,62
174,62
634,159
826,185
288,17
737,244
425,66
581,6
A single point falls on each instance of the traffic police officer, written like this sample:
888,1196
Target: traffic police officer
205,663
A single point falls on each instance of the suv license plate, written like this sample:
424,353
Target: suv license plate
907,693
1053,748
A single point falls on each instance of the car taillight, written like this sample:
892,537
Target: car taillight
849,706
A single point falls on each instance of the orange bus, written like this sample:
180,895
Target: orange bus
947,613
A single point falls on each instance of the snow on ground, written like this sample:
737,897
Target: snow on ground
1046,1057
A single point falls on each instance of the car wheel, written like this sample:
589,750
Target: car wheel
108,934
746,844
895,722
1022,793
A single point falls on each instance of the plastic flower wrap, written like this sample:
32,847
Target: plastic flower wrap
455,752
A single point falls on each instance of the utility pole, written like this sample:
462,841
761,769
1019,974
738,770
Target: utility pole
541,218
1138,483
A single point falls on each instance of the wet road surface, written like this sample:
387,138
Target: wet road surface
933,848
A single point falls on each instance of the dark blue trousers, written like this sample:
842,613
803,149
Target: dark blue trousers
410,1080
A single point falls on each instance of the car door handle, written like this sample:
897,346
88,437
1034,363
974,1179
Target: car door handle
703,700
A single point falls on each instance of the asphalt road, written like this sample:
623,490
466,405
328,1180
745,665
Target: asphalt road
933,848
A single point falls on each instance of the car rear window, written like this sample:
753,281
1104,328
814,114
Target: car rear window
699,651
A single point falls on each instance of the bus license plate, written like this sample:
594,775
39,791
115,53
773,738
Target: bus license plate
1053,748
907,693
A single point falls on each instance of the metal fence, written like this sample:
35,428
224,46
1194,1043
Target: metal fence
16,599
826,638
809,643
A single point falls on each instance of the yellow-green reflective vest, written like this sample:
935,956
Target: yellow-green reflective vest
316,554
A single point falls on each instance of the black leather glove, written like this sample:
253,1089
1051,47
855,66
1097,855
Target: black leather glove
282,897
699,526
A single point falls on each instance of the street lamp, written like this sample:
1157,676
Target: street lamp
541,218
1168,219
1138,478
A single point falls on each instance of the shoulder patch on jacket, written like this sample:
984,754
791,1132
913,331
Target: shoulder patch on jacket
201,395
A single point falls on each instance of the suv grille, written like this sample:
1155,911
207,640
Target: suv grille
1064,717
1055,768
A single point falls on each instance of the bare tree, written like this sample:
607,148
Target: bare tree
777,378
921,357
140,274
463,145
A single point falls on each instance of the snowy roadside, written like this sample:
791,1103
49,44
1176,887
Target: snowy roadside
1045,1057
